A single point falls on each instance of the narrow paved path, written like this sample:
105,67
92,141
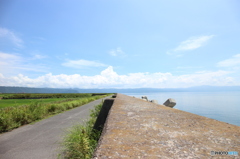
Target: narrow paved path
42,139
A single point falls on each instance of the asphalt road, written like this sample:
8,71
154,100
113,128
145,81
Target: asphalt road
42,139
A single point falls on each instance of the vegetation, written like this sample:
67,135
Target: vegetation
81,140
20,102
13,117
45,95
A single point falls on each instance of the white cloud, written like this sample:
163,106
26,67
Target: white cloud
117,52
190,44
187,67
8,60
7,35
108,78
38,56
6,56
12,63
231,62
193,43
82,64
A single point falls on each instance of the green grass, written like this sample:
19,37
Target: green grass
13,117
45,95
19,102
81,140
5,95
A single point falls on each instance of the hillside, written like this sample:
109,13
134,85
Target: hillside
6,89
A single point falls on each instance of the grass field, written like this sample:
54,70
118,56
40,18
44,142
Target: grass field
17,112
19,99
19,102
45,95
5,95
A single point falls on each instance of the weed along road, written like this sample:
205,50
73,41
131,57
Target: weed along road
42,139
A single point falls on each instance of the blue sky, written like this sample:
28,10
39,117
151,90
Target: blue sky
120,43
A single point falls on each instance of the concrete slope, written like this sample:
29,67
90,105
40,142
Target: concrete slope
139,129
42,139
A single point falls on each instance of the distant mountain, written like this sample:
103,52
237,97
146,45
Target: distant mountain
152,90
129,90
214,88
5,89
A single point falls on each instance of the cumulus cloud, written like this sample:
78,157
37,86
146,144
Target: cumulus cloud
117,52
108,78
82,64
9,36
190,44
231,62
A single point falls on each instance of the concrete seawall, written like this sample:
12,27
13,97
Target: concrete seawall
139,129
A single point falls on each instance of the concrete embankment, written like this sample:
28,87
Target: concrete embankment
139,129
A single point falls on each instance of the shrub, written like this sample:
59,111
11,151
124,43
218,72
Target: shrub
5,121
51,108
81,140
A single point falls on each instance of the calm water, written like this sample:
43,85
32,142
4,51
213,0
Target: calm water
222,106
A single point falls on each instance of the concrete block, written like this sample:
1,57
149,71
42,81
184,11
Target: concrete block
114,96
144,98
154,101
170,103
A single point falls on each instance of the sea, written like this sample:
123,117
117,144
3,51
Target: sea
222,106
